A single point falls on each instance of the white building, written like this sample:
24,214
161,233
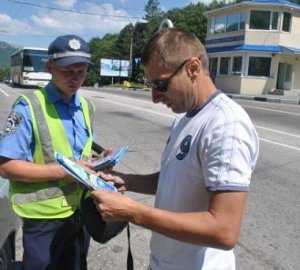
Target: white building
254,47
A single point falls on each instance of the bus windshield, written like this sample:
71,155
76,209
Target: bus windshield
34,61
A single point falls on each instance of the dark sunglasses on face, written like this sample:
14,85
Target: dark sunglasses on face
162,85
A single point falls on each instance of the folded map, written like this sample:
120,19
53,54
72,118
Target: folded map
80,174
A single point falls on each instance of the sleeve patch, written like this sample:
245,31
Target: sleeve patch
13,121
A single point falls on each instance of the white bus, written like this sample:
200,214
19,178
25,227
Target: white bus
28,67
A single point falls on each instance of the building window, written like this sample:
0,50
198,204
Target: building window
259,66
260,19
274,21
237,64
230,23
233,22
211,26
242,21
224,65
286,24
220,25
213,67
284,76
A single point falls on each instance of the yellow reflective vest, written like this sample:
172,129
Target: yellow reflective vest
53,199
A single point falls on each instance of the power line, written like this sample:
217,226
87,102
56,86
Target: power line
73,11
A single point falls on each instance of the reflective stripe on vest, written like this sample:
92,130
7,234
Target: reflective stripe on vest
42,129
30,199
45,194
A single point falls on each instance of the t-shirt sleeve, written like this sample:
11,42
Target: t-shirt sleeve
16,138
229,151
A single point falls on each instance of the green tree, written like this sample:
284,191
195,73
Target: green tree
152,9
218,4
154,16
123,43
139,40
296,1
190,18
100,48
103,47
4,73
92,77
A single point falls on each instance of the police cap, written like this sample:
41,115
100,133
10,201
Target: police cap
68,50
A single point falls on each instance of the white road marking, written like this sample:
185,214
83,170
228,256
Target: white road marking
270,110
3,92
278,131
173,116
280,144
139,108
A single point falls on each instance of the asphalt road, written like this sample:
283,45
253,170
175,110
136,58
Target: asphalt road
271,227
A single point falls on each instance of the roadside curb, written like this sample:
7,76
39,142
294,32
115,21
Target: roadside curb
293,100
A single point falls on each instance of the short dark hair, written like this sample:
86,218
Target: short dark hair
174,46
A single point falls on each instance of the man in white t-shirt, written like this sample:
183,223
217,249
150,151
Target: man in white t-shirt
206,166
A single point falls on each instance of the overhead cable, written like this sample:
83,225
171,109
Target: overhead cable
26,3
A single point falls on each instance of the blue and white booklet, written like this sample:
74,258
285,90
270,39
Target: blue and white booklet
110,160
89,180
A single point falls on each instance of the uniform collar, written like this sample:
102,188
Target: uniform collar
54,96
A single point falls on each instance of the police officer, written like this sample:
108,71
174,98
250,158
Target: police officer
42,194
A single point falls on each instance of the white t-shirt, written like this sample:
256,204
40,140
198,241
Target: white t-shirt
214,148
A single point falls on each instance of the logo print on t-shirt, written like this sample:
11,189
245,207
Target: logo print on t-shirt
184,147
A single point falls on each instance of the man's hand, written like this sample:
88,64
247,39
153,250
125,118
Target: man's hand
113,206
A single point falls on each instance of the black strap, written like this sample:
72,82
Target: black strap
97,148
81,238
83,259
129,254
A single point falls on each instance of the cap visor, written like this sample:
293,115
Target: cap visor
67,61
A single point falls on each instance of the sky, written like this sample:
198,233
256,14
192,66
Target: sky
35,23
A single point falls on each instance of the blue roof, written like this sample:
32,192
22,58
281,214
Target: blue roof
255,48
279,3
291,50
274,2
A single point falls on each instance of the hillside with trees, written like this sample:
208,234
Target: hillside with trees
5,51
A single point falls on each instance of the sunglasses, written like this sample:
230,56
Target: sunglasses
162,85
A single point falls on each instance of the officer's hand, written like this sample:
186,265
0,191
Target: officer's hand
106,153
113,206
103,155
86,165
67,177
59,172
117,181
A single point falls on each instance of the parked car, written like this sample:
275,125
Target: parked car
9,224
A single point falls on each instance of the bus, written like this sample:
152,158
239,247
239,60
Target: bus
28,67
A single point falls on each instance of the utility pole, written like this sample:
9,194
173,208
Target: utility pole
130,54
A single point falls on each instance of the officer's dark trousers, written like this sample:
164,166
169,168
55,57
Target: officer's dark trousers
54,244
